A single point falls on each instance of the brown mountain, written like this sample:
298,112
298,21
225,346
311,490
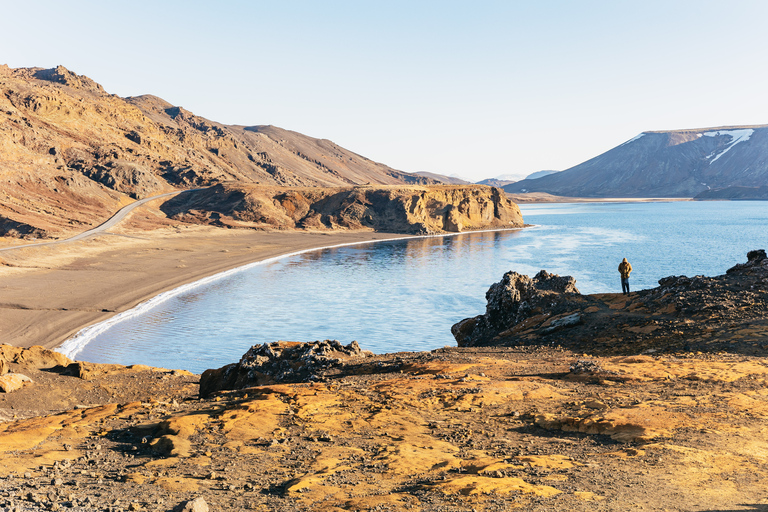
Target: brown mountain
449,180
681,163
71,154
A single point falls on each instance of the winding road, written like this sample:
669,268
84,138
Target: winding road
111,222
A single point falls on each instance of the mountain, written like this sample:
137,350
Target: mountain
71,153
450,180
539,174
507,179
494,182
735,194
680,163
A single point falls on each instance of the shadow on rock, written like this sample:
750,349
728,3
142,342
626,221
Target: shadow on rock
280,362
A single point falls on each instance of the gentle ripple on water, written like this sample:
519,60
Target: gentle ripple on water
405,295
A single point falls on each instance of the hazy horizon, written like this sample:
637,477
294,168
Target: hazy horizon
450,88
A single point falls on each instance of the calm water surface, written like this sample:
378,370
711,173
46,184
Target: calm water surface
405,295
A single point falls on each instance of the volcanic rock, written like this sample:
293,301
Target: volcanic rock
727,312
515,299
280,361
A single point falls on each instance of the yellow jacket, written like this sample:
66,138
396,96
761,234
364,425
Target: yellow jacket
625,268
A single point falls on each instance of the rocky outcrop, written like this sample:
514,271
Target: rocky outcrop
71,154
280,361
727,313
515,299
417,210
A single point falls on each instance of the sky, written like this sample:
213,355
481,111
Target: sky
472,89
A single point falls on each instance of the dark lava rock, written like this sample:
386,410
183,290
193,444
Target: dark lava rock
514,299
277,362
754,258
726,313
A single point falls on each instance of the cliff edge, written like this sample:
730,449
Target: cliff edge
722,313
393,209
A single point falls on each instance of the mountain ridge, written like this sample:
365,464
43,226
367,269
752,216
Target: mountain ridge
71,153
673,163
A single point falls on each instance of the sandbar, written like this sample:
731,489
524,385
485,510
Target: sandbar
49,293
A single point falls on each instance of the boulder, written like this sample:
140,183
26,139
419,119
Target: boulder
756,258
33,357
280,361
195,505
13,381
514,299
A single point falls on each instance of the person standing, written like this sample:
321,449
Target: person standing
624,269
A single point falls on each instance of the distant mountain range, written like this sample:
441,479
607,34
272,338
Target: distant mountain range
498,181
451,180
679,163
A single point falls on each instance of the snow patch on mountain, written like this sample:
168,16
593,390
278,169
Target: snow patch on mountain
633,139
736,137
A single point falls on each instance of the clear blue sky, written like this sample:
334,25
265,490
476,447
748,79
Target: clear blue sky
476,89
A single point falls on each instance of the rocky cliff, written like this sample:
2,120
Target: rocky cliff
71,154
399,209
680,163
723,313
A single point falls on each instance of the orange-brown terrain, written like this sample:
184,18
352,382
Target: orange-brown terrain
554,400
71,154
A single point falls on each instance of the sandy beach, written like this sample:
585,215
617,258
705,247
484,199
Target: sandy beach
49,293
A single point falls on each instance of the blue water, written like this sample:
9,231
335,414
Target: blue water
405,295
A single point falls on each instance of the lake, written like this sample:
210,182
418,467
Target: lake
405,295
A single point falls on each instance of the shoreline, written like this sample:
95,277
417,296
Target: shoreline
74,344
50,293
544,198
58,293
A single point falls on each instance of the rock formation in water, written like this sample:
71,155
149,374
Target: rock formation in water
679,163
401,209
723,313
513,300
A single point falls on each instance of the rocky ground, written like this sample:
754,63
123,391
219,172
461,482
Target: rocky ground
722,313
322,426
453,429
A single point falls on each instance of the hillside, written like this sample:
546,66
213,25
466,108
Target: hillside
71,153
681,163
449,180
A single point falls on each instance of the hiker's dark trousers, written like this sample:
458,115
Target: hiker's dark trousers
625,285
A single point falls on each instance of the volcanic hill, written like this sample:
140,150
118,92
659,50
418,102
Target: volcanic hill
71,154
679,163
